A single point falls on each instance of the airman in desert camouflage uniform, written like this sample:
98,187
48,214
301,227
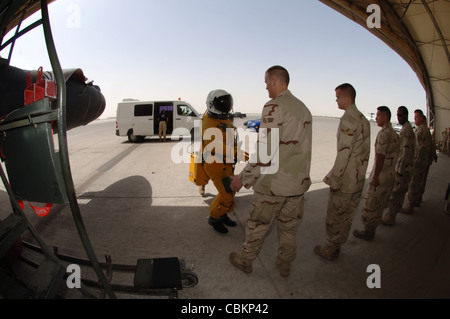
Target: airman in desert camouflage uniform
279,194
387,148
346,178
424,156
447,141
403,169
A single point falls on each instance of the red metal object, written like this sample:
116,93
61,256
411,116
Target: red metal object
39,90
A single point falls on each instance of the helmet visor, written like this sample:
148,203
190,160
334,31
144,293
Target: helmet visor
223,103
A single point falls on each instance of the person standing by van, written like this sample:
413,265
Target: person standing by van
163,125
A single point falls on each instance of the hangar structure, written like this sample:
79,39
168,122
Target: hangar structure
419,31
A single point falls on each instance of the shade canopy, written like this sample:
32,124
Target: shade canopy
419,31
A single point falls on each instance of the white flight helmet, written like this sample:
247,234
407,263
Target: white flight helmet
219,103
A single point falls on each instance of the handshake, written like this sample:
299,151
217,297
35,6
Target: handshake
236,184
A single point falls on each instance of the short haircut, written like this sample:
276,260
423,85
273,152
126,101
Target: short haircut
403,109
348,89
420,112
385,110
279,72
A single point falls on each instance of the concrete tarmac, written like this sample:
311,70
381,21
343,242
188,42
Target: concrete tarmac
137,203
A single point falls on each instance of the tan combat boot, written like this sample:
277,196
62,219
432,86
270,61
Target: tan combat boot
388,219
243,264
327,252
408,210
201,190
285,267
364,234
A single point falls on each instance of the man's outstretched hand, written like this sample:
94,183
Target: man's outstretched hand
236,184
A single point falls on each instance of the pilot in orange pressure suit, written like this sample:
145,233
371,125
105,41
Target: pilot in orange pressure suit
219,155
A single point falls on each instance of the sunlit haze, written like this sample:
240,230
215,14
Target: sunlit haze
165,50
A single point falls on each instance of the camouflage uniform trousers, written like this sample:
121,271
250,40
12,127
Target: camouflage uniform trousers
398,192
376,201
287,211
417,184
340,213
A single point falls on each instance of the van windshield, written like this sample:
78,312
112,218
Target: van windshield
186,110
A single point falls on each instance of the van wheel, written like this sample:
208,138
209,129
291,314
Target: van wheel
135,138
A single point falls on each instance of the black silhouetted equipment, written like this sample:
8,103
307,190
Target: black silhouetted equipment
36,110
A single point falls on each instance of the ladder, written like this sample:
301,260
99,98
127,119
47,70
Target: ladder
21,132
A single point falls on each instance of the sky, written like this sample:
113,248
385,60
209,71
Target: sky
171,49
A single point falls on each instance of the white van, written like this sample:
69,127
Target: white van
138,119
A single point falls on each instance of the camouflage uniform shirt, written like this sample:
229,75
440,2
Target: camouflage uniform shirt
293,120
405,162
353,150
425,150
387,144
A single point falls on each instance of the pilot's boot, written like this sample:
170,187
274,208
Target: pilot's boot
227,221
201,190
217,224
240,262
